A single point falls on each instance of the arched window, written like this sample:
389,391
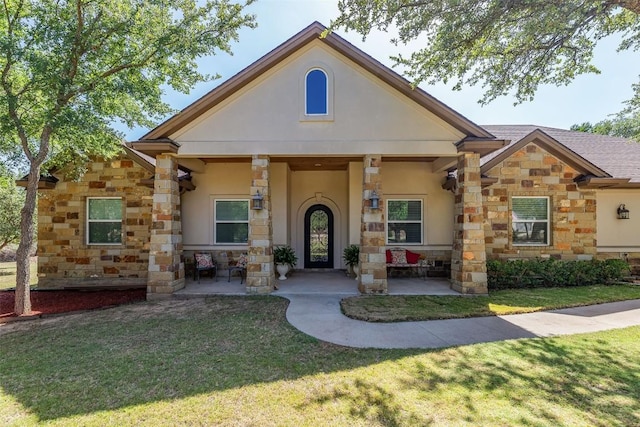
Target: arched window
316,92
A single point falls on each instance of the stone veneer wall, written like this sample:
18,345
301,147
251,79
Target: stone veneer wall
532,171
468,254
64,258
373,260
166,268
260,267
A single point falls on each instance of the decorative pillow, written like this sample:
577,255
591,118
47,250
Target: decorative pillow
412,257
399,257
204,261
242,261
389,257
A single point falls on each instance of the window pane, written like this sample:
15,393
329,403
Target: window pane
404,232
105,209
316,87
232,233
105,232
529,233
319,236
404,210
232,210
524,208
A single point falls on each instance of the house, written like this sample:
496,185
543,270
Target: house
317,145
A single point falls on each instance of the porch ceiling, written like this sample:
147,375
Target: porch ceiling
316,163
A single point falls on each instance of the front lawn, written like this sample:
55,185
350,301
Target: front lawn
396,308
236,361
8,274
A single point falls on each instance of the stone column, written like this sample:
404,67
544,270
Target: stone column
373,262
260,276
166,271
468,258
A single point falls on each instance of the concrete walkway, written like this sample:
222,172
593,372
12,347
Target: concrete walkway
315,310
319,315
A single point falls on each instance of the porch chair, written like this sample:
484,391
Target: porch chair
204,262
240,266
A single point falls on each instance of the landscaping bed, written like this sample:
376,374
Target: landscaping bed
59,301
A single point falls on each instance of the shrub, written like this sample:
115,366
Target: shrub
539,272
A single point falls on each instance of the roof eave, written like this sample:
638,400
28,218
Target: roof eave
482,146
155,146
593,182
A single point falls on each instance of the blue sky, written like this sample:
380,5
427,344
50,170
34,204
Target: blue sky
588,98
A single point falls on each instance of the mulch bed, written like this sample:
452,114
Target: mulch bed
52,302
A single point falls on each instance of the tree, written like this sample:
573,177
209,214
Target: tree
506,45
11,201
70,68
624,126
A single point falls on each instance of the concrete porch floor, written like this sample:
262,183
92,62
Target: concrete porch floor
334,282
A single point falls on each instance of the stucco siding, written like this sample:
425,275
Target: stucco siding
218,181
614,233
415,180
368,116
330,188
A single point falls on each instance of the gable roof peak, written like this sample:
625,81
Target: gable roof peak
308,35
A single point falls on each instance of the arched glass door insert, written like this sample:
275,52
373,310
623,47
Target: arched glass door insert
318,237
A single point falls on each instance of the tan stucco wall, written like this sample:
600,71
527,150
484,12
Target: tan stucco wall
368,116
64,257
218,181
230,181
330,188
355,202
619,238
415,180
531,171
614,233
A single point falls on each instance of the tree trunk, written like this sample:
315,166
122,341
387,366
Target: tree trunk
23,275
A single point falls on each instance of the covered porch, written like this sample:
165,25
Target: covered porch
335,282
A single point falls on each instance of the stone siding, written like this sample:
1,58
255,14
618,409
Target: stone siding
166,268
260,267
373,261
532,171
468,255
64,258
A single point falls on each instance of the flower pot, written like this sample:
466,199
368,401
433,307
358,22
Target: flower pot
356,270
282,269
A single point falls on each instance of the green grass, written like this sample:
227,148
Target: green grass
427,307
8,274
236,361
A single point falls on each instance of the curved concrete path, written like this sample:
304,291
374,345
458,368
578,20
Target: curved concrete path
319,315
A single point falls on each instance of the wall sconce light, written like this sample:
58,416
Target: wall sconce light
256,201
375,200
623,212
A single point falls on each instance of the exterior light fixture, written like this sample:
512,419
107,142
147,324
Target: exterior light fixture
623,212
256,201
375,200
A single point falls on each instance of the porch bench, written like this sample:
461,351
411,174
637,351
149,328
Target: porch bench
405,259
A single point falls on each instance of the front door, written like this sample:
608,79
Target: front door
318,237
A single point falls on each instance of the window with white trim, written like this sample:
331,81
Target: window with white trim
530,220
104,221
316,92
231,221
404,222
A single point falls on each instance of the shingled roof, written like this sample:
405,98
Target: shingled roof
619,157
